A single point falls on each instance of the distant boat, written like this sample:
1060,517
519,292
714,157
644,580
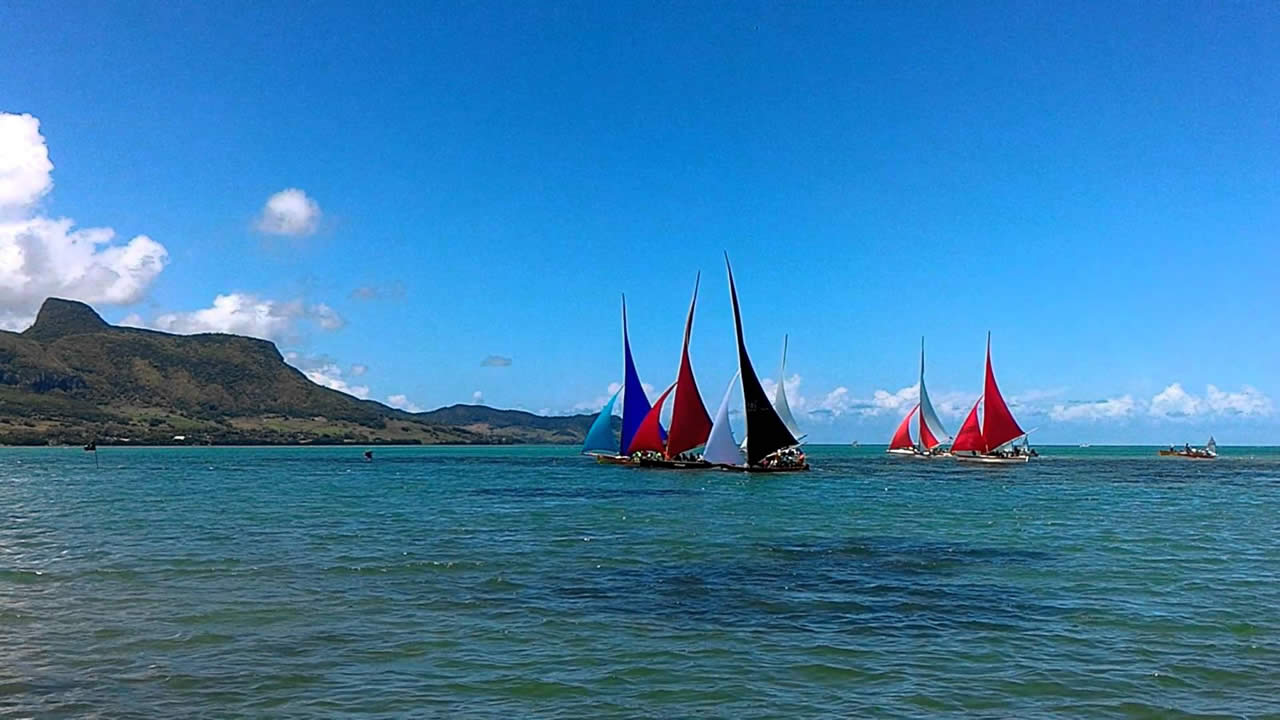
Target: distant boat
91,447
931,432
635,406
771,446
1208,452
991,440
690,424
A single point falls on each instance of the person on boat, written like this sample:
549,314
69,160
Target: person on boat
1187,447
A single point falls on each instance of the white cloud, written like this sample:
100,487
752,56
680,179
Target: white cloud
1109,409
1246,402
477,397
883,401
402,402
248,314
323,371
359,370
44,257
1174,402
289,212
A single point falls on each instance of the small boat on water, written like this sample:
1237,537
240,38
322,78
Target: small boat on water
931,432
690,423
1208,452
635,406
990,440
770,444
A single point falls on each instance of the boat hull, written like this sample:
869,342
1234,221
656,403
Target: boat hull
993,459
675,464
612,459
763,469
1187,455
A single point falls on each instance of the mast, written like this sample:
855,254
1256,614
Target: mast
998,425
721,448
902,436
766,433
600,436
932,432
690,424
649,435
635,405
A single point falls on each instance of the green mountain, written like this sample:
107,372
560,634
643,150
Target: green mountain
71,377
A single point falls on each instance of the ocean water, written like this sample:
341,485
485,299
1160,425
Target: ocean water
531,583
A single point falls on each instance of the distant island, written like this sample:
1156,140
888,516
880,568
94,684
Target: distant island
71,378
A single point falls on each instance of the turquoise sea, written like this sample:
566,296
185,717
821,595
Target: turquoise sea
531,583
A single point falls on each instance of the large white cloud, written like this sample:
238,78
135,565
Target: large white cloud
246,314
42,257
1174,402
325,372
289,212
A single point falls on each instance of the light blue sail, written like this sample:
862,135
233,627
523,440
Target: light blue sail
600,436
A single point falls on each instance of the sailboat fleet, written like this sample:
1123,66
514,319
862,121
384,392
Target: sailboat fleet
772,441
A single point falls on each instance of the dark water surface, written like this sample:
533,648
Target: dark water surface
528,582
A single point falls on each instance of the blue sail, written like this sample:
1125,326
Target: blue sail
635,405
600,436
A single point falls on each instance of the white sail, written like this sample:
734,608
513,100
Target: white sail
1212,447
780,395
927,414
721,448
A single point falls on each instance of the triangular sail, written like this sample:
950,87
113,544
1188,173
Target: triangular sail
766,433
969,438
690,424
932,432
721,448
650,436
902,436
998,425
600,436
1212,446
780,395
635,405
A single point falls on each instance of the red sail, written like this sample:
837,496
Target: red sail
649,435
902,437
969,438
926,438
690,423
998,425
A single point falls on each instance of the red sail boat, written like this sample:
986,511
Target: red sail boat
902,444
690,423
990,441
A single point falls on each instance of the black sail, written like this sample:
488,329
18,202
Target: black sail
766,432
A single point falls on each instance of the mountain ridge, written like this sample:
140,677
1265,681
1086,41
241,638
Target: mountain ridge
71,377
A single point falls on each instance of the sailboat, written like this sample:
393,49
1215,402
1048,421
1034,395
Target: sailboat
1208,452
985,442
690,424
930,430
771,446
635,406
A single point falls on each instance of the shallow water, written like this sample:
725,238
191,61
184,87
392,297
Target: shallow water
478,582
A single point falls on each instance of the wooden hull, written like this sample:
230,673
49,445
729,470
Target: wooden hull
675,464
612,459
763,469
1189,455
993,459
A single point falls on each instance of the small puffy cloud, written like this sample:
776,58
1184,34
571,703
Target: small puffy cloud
323,371
248,314
496,361
289,212
42,257
359,370
883,401
1174,402
1110,409
402,402
477,397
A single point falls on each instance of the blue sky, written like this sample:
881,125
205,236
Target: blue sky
1096,185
